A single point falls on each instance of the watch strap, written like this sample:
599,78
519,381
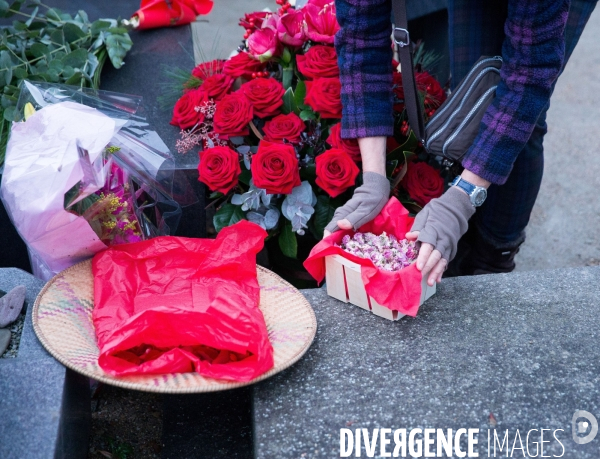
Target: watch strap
463,185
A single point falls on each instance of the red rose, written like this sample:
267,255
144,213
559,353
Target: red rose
323,96
265,95
434,94
232,115
284,127
275,168
350,146
321,24
185,114
423,183
206,69
336,171
319,62
219,168
426,84
242,65
216,86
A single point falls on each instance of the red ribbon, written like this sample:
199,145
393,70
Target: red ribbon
165,13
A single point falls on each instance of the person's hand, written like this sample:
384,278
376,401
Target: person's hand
365,204
439,226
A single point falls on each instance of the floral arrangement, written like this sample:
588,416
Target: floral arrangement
267,124
109,210
385,251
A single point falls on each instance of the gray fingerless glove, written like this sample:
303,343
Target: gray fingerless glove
444,220
365,204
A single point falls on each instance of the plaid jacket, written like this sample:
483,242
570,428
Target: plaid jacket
533,53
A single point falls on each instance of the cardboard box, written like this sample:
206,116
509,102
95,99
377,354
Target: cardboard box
345,284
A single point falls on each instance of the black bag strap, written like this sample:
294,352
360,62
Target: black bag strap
403,44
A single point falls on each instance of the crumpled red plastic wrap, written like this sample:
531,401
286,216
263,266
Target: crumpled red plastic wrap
173,305
166,13
398,290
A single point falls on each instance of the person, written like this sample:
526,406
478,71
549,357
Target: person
535,39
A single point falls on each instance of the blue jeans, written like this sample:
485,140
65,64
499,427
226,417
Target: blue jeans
476,29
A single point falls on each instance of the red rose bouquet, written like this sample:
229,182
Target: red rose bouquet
267,124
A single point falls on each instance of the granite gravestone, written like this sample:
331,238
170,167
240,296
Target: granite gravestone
44,408
499,353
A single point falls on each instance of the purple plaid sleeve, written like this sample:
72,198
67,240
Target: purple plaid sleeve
363,45
533,52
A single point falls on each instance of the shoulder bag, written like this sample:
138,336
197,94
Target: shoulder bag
452,129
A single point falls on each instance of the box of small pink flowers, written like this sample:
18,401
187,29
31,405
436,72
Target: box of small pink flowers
373,268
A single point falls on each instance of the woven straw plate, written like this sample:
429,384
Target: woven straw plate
62,320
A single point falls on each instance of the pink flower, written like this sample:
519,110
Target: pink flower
321,24
321,3
290,29
263,44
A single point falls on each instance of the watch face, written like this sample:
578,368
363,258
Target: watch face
479,196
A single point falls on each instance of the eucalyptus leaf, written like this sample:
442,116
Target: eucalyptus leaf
99,26
92,64
20,73
53,46
19,25
117,30
56,64
76,59
73,32
39,50
9,113
75,79
53,14
53,76
33,15
82,17
117,47
8,101
57,37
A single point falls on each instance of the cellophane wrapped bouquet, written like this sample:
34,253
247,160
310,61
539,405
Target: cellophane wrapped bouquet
83,171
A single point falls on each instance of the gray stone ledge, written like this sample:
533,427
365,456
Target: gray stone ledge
523,346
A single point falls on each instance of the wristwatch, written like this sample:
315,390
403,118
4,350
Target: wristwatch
477,194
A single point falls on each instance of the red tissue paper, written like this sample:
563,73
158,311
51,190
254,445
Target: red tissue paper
174,305
396,290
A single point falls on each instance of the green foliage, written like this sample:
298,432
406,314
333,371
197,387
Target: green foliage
49,45
245,177
287,241
289,103
227,215
324,211
300,95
